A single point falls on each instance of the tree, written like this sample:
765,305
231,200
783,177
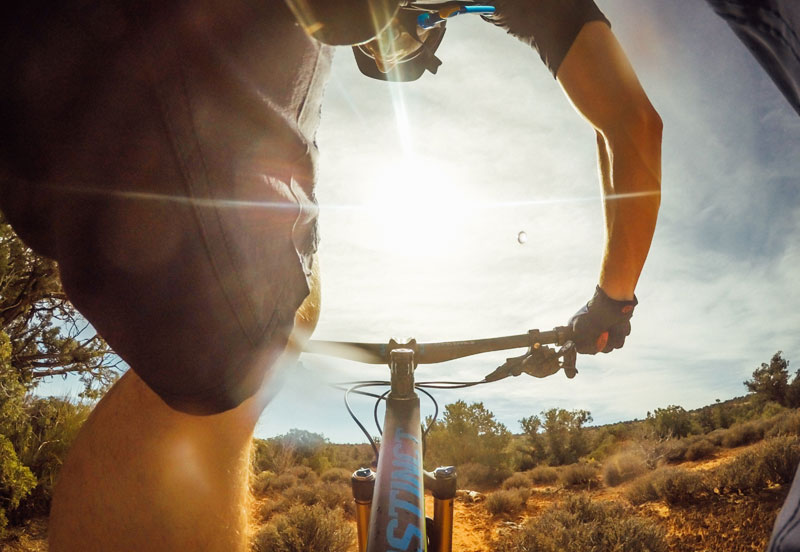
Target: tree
48,336
469,434
672,421
558,435
41,335
770,382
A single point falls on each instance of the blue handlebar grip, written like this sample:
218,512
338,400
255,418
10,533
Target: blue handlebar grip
428,20
477,9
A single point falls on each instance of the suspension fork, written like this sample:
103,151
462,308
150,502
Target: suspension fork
442,484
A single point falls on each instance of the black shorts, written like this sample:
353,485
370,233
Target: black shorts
178,207
549,26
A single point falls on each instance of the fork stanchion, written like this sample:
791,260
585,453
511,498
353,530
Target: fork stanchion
442,484
363,483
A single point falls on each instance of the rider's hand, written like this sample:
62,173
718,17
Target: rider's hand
602,324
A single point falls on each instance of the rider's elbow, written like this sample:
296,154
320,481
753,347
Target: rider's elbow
637,124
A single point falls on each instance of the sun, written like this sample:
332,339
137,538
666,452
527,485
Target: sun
416,206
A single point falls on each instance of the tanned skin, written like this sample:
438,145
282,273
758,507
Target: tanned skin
142,476
598,79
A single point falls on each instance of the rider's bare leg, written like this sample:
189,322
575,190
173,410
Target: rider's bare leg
142,476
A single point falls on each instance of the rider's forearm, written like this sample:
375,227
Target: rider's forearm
630,166
600,82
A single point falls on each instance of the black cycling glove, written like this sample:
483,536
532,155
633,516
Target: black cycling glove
602,324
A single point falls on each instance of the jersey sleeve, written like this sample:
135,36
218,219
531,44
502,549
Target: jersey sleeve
549,26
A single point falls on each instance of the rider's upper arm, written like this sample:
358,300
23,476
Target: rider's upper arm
602,85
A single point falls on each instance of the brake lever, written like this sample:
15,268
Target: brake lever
540,361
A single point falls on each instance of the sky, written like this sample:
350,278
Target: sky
425,186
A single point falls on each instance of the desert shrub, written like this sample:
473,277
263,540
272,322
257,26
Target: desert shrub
268,508
742,434
641,490
579,524
700,449
673,451
480,476
337,475
305,528
678,486
510,501
771,462
337,495
262,482
302,494
716,436
786,423
578,475
543,475
623,467
330,495
672,485
303,473
283,481
517,481
771,409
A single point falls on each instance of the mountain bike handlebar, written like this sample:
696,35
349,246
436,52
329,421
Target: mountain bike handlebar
433,353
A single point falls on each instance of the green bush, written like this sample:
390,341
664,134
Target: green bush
672,485
510,501
305,528
543,475
16,481
517,481
623,467
580,525
579,475
39,446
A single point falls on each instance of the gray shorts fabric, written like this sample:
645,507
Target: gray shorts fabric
162,153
